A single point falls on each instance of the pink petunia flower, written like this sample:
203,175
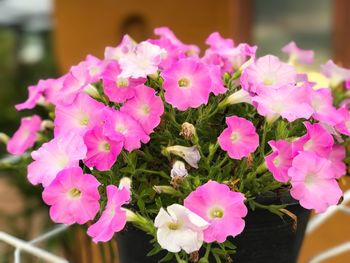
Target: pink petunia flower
120,126
334,73
118,89
73,197
217,83
81,116
337,156
143,61
53,89
102,152
187,84
297,54
223,53
54,156
344,126
145,107
313,182
26,135
239,139
113,218
280,160
267,72
94,67
322,103
347,84
316,140
35,96
287,101
221,207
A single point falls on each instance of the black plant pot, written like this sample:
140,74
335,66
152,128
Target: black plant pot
266,238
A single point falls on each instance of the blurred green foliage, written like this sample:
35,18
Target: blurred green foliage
16,76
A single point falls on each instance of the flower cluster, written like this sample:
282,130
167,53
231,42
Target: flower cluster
181,144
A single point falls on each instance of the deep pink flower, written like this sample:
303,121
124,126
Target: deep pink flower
113,218
53,90
347,84
334,73
322,103
73,197
313,182
145,107
54,156
239,139
102,152
81,116
94,67
344,126
26,135
120,126
316,140
221,207
267,72
297,54
118,89
187,84
337,156
287,101
280,160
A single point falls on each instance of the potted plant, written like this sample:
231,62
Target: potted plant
188,157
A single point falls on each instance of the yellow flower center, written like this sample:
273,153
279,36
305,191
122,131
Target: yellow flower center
173,225
74,193
216,213
235,136
122,82
184,82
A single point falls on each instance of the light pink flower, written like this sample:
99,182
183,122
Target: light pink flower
322,103
94,67
287,101
316,140
113,218
187,84
35,95
102,152
52,157
337,156
280,160
221,207
118,89
239,139
313,182
344,126
126,46
120,126
267,72
297,54
143,61
26,135
73,197
53,90
81,116
145,107
217,83
334,73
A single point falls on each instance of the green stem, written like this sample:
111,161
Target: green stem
207,251
161,173
223,161
178,259
263,141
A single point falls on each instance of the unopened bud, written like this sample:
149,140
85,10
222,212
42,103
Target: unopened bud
188,131
190,154
46,124
4,138
165,189
178,170
92,91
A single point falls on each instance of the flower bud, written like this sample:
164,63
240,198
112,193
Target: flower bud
92,91
188,131
190,154
4,138
46,124
125,182
165,189
178,170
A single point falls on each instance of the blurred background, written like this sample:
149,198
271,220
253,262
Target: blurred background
43,38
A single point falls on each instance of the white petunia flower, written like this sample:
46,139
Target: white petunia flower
179,228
